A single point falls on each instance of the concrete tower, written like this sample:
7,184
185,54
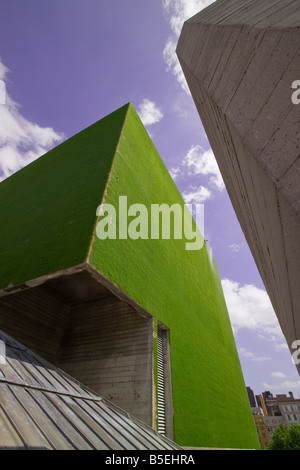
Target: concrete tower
241,61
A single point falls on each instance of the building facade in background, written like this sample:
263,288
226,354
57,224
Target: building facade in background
251,397
270,411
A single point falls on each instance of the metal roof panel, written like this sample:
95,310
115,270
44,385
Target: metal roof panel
41,407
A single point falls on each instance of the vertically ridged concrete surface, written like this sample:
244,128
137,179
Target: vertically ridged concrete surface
241,61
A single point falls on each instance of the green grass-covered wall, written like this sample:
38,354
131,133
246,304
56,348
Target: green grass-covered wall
48,209
48,224
182,289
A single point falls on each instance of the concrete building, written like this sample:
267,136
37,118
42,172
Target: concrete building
273,422
261,428
272,411
251,397
261,403
241,61
267,417
289,408
140,321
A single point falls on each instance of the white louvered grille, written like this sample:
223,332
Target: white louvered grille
161,411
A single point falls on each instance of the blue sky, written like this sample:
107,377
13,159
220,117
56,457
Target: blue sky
67,64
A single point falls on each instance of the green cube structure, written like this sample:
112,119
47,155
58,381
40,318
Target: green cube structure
142,321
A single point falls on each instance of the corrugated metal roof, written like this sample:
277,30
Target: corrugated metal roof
41,407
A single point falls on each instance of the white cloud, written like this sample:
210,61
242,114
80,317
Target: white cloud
3,71
284,383
250,307
281,347
252,356
177,12
180,106
149,113
196,195
199,162
283,386
21,141
234,247
2,92
173,64
174,172
278,375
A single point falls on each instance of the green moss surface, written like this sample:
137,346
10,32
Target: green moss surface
48,223
181,289
48,209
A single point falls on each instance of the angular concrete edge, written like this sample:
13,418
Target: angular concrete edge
239,60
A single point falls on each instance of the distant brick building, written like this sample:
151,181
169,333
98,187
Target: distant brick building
273,411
